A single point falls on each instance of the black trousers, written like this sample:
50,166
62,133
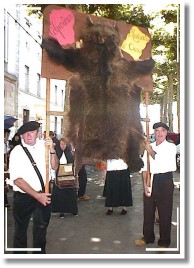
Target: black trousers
82,178
24,206
5,198
162,198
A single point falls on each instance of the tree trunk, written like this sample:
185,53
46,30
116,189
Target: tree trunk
164,112
162,109
169,101
178,95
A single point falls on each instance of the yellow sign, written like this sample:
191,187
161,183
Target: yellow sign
135,42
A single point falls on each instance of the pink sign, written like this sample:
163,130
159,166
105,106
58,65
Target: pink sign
61,26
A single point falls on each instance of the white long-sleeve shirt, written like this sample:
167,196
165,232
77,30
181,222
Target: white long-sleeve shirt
21,167
165,158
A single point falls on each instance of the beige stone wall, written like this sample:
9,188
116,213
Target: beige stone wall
10,95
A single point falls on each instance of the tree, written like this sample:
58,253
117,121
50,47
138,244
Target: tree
164,46
132,14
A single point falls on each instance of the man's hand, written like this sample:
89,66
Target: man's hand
44,198
149,149
147,190
49,142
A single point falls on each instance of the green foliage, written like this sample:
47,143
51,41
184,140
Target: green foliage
164,44
171,14
128,13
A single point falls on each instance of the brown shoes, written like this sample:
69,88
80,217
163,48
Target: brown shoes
109,212
123,212
140,243
84,197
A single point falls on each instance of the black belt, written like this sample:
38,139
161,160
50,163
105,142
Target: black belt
166,174
20,193
162,177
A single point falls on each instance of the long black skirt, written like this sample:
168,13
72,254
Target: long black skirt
117,189
64,200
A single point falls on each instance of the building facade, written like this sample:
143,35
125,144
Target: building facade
24,88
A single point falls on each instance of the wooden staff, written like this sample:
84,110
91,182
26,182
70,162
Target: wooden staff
47,133
148,137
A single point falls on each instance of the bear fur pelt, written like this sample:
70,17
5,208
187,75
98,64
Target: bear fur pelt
104,112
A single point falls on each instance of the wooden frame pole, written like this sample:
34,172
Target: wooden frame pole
47,133
148,136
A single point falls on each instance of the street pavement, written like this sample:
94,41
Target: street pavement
93,233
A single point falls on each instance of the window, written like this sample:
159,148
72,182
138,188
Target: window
5,36
55,124
56,95
38,85
62,98
61,125
26,114
26,78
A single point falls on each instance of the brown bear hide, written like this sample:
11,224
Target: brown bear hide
104,112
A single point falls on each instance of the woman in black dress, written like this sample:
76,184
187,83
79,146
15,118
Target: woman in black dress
64,200
117,189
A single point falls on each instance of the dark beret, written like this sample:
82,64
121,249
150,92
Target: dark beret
160,124
29,126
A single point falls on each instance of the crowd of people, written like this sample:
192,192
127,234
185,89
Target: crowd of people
27,161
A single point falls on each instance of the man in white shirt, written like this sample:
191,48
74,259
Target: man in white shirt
162,157
29,196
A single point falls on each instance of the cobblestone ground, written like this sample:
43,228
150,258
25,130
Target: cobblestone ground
93,232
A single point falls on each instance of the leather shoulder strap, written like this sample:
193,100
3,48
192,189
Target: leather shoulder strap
34,166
